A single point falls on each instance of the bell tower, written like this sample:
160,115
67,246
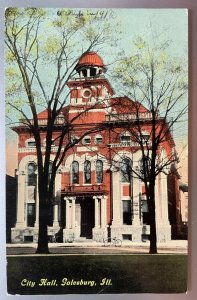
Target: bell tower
90,85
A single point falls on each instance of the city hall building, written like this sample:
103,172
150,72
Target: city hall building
96,193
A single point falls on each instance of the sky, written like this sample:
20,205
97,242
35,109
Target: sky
171,23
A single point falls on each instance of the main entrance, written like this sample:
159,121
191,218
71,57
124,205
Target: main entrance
86,209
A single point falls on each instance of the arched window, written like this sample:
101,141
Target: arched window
32,176
99,171
125,169
75,172
87,171
145,165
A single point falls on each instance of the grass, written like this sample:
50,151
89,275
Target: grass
125,274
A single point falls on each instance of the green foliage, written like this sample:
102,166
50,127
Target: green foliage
152,75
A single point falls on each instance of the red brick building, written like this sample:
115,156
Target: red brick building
95,189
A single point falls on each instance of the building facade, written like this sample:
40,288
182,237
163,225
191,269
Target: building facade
96,193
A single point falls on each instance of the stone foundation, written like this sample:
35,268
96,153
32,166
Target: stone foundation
99,234
163,233
130,232
29,234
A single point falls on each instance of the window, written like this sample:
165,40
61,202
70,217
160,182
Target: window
145,138
52,143
75,172
86,140
74,139
144,210
145,167
125,169
31,144
126,208
32,176
30,214
87,171
92,71
99,171
98,139
125,137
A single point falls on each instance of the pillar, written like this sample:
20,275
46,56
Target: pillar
37,206
21,200
67,213
116,199
136,201
164,198
104,211
96,211
73,212
88,72
55,215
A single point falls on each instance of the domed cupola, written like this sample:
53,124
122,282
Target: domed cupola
90,85
90,64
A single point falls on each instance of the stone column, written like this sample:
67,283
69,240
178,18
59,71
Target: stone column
103,211
55,216
20,223
162,222
37,206
96,211
158,214
164,198
136,201
116,199
67,213
73,212
88,72
57,191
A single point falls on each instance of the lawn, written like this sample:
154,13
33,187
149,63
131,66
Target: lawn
105,274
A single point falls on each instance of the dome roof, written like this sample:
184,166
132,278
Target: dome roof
90,59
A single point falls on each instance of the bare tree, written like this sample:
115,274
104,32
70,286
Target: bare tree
38,67
157,84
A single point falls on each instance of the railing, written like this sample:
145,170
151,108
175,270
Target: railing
43,122
130,116
85,189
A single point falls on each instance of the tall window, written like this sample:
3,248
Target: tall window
126,208
30,214
125,169
87,171
99,171
144,210
145,165
75,172
32,177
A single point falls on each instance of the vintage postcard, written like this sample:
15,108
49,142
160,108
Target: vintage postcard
96,150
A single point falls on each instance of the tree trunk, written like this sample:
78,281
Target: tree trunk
153,232
43,223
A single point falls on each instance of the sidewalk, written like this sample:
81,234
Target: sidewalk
128,247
